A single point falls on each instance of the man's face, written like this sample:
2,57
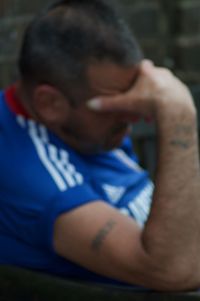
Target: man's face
93,132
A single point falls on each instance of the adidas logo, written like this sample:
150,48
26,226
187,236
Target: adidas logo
114,193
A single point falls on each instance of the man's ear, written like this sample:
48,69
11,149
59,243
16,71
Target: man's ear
50,104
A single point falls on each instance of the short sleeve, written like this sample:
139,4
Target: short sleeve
62,203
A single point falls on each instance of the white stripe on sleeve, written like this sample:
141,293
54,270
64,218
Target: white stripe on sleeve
41,151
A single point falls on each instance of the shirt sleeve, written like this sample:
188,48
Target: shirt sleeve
62,203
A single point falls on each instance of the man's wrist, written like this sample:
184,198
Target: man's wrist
180,111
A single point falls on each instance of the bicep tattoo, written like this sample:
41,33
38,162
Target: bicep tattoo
102,234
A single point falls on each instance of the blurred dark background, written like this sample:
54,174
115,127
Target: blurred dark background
168,30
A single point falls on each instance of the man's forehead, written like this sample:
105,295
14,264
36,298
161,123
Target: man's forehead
109,78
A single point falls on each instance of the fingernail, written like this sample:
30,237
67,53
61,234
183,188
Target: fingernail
94,104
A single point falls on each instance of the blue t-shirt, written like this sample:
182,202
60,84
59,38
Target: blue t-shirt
41,178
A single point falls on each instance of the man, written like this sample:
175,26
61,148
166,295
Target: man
74,201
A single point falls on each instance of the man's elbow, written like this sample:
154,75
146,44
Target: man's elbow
168,275
180,277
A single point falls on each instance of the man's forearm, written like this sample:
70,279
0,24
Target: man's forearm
177,194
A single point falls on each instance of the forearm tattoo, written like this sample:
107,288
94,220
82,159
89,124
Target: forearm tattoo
183,134
180,143
102,234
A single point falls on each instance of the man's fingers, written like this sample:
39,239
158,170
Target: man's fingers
110,103
147,63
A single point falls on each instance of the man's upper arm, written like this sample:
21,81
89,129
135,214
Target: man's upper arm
104,241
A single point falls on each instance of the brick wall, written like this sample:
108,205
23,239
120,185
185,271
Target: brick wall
14,16
169,32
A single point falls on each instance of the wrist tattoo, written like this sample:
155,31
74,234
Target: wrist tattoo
184,131
102,234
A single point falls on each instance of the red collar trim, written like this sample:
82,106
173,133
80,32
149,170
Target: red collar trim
14,103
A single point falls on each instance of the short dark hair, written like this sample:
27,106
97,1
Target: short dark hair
70,34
